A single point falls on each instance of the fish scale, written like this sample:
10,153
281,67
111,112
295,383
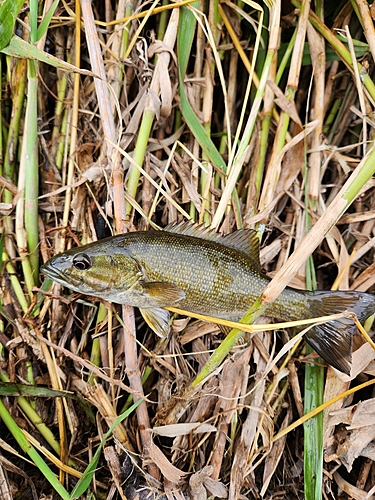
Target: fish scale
199,271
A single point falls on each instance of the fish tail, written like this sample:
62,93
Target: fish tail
333,340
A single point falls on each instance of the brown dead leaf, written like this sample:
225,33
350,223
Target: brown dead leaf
351,490
275,454
361,358
6,209
168,470
174,430
288,106
202,480
359,433
197,330
356,416
232,383
365,280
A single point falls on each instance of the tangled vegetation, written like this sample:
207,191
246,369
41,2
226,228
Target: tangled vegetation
120,116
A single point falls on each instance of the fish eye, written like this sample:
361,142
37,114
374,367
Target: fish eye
82,262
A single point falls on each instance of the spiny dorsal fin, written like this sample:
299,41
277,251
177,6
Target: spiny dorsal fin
189,228
243,240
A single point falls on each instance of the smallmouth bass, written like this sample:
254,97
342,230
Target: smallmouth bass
198,270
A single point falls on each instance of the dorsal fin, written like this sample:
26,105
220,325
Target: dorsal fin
243,240
190,228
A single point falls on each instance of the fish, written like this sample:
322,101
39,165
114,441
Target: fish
200,271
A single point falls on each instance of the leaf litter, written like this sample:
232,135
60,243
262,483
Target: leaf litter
164,131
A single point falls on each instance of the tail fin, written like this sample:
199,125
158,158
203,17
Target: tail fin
333,340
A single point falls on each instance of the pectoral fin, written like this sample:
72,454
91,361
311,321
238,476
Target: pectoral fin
157,319
162,294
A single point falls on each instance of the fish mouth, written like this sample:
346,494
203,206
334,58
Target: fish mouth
57,275
50,271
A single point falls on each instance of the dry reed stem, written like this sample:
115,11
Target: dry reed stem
107,117
317,50
313,238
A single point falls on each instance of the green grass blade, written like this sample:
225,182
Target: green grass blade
33,454
2,237
43,26
8,15
20,48
139,154
87,476
314,389
10,389
32,172
184,42
313,431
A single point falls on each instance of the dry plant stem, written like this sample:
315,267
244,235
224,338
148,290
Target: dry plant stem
359,86
257,175
296,60
118,194
89,366
74,126
105,108
274,167
367,23
197,95
147,14
51,457
140,15
135,381
102,401
115,70
19,227
257,328
97,65
207,101
340,48
317,50
236,162
56,384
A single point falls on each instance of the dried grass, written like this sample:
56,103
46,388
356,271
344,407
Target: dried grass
305,128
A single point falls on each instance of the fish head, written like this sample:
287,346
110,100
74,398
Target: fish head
93,271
